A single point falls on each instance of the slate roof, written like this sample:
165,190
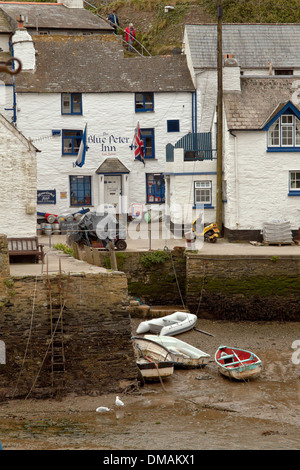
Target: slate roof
253,45
112,165
53,16
260,99
5,26
95,64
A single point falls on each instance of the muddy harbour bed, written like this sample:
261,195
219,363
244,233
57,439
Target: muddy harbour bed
198,409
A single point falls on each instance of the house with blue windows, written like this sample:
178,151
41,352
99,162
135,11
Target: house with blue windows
92,85
261,103
261,164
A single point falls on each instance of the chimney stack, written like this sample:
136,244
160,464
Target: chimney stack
23,47
231,75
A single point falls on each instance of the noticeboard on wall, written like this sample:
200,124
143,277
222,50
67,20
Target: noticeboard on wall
47,196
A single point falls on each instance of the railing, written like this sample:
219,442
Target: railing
94,10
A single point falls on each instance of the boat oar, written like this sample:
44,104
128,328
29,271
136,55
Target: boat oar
204,332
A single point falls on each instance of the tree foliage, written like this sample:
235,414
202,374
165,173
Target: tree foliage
255,11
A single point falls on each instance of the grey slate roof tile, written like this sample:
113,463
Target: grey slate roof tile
95,64
112,165
53,16
260,99
253,45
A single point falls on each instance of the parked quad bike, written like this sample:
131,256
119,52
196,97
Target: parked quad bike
101,229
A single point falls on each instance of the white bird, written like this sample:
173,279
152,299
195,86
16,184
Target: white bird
119,402
101,409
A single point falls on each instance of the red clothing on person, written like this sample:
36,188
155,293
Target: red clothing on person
129,34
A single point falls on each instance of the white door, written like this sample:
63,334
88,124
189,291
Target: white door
112,190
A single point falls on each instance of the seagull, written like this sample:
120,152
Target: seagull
119,402
101,409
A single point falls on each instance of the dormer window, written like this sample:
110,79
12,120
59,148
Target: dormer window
284,133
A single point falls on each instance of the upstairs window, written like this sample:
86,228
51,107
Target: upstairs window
71,142
71,103
148,138
144,102
284,133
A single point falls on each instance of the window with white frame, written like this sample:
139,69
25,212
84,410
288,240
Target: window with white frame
202,193
294,183
284,132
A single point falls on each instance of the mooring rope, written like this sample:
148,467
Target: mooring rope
50,343
28,339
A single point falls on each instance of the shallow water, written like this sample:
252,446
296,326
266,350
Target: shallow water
197,409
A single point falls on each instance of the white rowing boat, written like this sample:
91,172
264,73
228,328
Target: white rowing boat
183,354
173,324
153,360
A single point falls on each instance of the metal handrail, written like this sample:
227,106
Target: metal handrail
95,11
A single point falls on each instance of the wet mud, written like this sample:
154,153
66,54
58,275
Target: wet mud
197,409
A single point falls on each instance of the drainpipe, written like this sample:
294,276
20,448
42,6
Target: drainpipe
14,89
193,113
236,180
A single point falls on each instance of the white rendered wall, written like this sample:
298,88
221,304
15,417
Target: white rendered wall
111,120
182,176
17,185
260,181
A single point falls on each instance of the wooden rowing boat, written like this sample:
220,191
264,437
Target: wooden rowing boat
237,363
183,354
153,360
173,324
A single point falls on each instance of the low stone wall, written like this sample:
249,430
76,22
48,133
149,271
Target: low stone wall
96,335
156,278
243,288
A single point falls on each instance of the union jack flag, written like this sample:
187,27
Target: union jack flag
138,143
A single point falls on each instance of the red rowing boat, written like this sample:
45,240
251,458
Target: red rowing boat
237,363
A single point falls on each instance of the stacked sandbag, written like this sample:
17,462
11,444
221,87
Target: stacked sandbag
276,231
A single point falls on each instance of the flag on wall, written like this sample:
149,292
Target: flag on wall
82,150
138,143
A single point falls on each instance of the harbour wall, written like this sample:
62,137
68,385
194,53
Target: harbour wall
242,288
256,288
65,334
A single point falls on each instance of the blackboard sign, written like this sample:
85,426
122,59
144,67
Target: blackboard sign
67,227
48,196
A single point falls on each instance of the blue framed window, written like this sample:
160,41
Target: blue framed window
71,141
148,138
155,188
284,133
294,183
203,194
144,102
71,103
80,190
173,125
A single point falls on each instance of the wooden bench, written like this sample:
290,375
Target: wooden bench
26,246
